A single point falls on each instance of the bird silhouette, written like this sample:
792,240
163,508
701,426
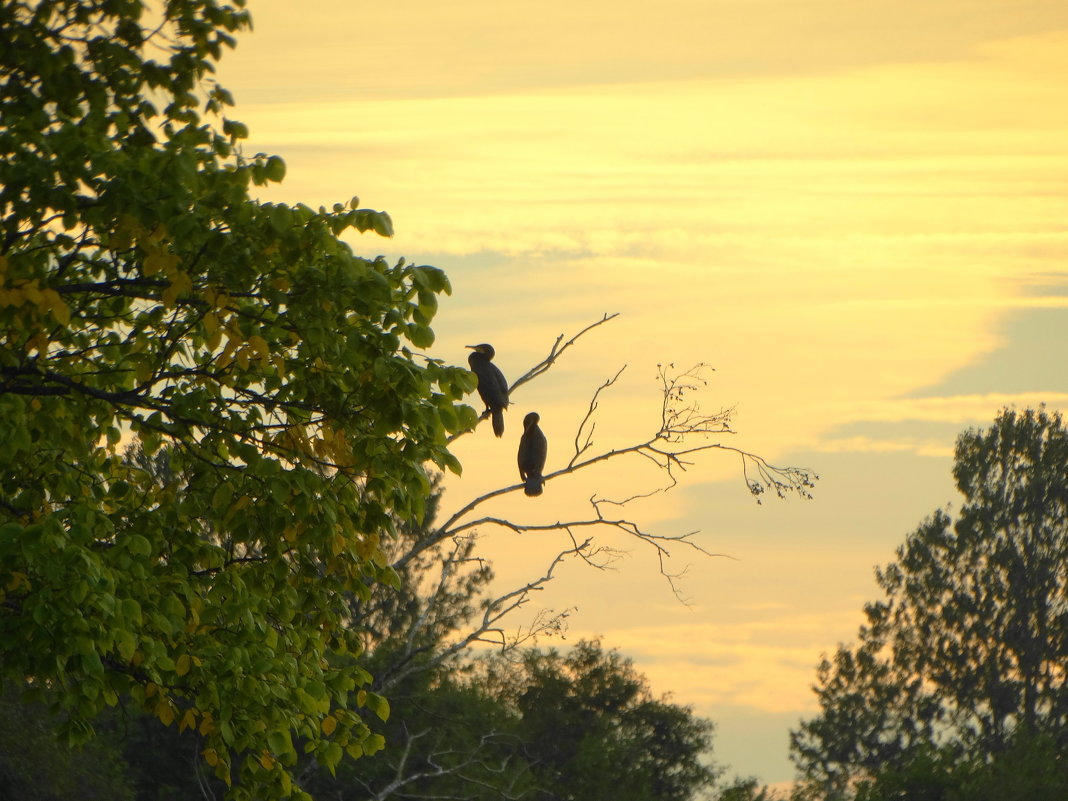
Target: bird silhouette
532,450
492,387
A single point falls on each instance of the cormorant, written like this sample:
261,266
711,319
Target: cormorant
492,387
532,448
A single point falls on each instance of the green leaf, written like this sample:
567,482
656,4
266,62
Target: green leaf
275,169
382,224
279,742
373,744
378,705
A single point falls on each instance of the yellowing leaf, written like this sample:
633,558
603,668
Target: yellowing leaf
211,323
337,543
38,342
182,665
11,297
214,338
18,580
329,725
159,261
61,311
165,712
51,301
180,284
259,344
188,721
32,293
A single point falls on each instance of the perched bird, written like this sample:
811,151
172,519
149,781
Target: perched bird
492,387
532,448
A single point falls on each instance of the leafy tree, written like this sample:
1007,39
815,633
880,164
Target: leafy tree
548,726
1031,768
592,730
965,658
143,292
746,789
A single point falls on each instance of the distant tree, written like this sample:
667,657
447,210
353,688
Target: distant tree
591,729
746,789
143,292
965,658
1030,768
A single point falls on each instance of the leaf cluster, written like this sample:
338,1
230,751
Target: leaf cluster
144,294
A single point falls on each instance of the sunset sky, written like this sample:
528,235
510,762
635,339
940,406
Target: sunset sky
856,211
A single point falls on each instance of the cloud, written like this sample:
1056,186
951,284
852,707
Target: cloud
860,444
760,664
955,409
925,426
400,49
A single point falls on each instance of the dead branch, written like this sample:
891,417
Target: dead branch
683,433
555,352
435,767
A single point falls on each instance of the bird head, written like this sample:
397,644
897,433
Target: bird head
531,419
485,349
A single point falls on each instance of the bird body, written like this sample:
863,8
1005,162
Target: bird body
492,387
532,450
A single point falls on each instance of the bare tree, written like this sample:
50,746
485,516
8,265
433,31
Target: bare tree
447,603
684,432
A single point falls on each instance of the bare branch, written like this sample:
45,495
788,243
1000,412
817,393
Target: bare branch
584,433
684,432
556,352
451,607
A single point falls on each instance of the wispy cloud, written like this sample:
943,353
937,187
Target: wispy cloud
399,50
760,663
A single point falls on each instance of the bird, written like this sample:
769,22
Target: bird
492,387
532,449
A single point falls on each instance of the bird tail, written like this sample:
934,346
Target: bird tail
533,485
498,422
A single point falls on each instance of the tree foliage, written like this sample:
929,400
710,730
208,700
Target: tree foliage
594,731
143,292
965,657
537,724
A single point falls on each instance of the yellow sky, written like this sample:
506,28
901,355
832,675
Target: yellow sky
855,210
